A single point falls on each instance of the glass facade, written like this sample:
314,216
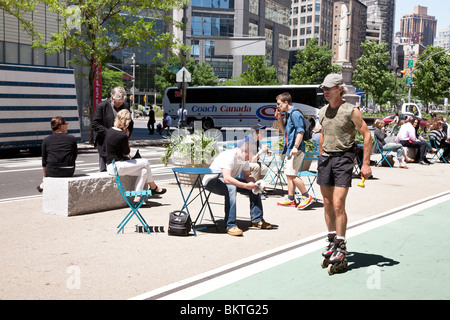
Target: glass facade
208,24
277,13
222,4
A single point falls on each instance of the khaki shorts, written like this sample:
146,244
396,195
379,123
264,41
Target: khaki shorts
293,164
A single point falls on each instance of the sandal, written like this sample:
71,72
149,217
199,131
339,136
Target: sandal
163,190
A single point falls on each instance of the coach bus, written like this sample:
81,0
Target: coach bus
240,106
30,96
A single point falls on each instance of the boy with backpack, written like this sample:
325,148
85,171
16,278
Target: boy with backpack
294,149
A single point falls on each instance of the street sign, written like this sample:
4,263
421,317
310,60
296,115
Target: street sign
186,73
410,64
409,79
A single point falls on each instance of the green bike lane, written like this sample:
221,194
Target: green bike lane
401,256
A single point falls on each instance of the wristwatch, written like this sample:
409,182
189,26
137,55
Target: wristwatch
296,146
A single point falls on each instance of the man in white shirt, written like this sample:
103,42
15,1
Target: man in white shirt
167,122
182,116
232,162
407,138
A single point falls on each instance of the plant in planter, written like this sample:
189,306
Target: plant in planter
195,150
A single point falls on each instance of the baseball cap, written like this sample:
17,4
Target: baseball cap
257,127
332,80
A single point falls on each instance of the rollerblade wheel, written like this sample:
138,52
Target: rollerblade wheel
331,269
325,262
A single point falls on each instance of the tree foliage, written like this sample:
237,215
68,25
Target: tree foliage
372,73
201,74
17,8
431,78
313,64
94,29
258,73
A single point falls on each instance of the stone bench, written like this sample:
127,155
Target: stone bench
83,194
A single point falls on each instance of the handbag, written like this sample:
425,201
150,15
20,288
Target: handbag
180,223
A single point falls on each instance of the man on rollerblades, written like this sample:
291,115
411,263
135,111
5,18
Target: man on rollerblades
337,148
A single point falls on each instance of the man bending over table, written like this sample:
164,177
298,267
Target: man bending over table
232,162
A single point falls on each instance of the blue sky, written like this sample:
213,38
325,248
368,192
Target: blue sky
440,9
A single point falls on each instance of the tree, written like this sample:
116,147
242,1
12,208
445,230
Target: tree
258,73
201,74
17,8
372,74
313,64
431,75
110,80
107,26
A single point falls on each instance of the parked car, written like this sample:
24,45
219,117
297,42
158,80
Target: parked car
402,117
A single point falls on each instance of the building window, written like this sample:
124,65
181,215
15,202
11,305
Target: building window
277,13
222,4
207,24
254,7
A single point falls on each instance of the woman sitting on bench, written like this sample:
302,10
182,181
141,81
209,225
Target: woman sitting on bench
59,152
118,149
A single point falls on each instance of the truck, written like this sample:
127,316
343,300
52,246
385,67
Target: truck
30,96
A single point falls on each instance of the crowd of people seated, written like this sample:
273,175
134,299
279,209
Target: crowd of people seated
409,137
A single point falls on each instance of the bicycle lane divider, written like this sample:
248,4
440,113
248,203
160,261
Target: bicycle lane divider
380,255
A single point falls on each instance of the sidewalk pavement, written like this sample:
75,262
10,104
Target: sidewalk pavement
53,257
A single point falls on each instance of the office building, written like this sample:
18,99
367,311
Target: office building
380,21
443,39
311,19
419,26
210,22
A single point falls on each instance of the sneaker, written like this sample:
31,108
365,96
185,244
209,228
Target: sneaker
262,225
305,202
287,203
234,231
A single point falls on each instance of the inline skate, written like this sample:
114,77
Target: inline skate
338,260
329,249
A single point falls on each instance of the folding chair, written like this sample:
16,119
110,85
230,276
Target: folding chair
440,151
275,172
384,154
311,175
128,196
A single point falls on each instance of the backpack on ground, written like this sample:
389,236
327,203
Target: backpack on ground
308,129
180,223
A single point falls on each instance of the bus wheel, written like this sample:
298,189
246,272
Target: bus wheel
207,124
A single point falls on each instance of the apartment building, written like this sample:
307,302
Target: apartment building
419,26
443,39
311,19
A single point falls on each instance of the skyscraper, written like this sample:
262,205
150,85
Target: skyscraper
380,21
443,39
419,26
212,21
311,19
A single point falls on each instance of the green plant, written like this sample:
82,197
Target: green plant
195,149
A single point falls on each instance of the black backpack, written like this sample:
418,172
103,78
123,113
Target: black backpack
180,223
308,129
